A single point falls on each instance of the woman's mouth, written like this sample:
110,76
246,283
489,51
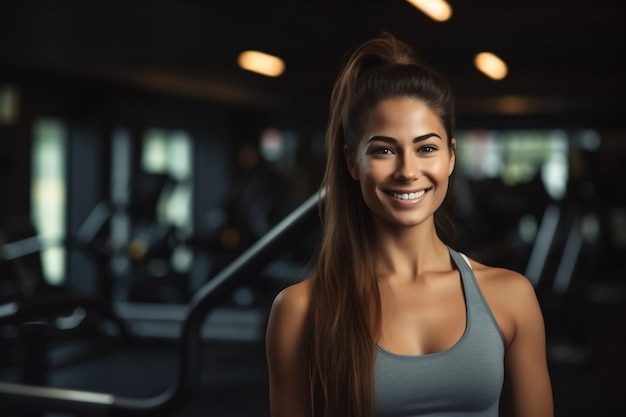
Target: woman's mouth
408,196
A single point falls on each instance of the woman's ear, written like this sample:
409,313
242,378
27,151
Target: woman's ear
452,156
350,162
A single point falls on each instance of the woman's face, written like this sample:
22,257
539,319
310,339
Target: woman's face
403,162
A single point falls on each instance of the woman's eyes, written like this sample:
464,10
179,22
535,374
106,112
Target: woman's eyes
383,150
427,148
386,150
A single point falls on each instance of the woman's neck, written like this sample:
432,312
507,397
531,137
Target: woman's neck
409,251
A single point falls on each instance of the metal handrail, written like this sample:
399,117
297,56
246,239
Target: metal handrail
186,381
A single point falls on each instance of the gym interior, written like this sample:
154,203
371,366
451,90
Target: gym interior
156,197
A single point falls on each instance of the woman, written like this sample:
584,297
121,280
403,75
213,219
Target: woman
394,322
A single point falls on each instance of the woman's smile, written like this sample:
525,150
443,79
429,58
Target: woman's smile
407,198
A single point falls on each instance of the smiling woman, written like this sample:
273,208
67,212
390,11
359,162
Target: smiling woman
393,321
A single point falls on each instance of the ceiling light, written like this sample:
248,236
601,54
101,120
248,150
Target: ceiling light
491,65
438,10
261,63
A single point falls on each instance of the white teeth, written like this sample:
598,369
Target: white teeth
409,196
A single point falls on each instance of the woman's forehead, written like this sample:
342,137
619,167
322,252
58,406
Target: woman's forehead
402,115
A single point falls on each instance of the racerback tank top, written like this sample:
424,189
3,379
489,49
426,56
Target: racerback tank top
464,380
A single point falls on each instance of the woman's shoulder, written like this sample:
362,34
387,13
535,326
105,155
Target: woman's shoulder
505,283
511,297
293,299
498,275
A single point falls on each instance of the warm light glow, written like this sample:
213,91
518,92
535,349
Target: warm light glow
491,65
261,63
438,10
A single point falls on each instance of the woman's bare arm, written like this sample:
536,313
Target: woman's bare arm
284,350
527,391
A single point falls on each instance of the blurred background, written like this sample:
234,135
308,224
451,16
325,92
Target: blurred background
141,160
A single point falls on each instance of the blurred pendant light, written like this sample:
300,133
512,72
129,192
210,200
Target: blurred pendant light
491,65
438,10
261,63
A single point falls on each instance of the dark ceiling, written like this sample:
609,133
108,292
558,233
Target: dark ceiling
565,57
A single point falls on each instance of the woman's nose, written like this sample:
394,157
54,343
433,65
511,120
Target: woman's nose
407,169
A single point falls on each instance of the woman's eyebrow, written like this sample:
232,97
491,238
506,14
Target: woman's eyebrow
388,139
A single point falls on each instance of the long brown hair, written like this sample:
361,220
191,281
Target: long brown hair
345,305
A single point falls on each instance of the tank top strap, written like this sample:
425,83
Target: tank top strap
470,286
476,304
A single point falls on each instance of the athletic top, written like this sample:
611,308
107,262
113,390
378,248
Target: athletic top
464,380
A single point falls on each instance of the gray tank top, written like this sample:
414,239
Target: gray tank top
464,380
